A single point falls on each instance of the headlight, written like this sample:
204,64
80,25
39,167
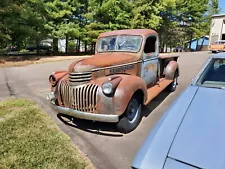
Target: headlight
52,80
107,88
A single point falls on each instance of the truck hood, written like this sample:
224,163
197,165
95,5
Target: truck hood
101,60
200,140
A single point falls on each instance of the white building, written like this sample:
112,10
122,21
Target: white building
217,30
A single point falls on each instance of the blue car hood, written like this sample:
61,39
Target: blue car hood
154,150
200,140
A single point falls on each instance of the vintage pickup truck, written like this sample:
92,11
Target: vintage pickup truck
125,73
218,46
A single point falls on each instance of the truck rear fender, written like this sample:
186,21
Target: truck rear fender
170,70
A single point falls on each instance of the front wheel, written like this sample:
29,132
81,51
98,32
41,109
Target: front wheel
131,117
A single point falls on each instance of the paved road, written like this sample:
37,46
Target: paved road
105,147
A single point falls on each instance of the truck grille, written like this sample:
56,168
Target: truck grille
82,98
79,78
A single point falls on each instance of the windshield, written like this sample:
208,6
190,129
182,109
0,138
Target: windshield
214,74
126,43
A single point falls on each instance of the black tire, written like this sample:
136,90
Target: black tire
173,86
132,115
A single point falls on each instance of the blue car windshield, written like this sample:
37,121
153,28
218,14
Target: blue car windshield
127,43
214,74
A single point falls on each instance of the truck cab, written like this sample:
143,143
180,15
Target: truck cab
125,73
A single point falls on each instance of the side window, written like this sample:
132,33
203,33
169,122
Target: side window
150,45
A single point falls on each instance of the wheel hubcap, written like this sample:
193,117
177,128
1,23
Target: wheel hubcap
132,111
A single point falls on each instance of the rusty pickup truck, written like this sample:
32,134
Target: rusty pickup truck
218,46
125,73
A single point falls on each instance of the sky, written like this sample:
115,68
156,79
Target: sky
222,5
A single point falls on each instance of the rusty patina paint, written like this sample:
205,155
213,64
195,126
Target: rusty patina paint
98,74
170,70
71,67
122,69
117,103
56,90
167,56
141,32
217,47
155,90
53,79
132,69
101,60
106,59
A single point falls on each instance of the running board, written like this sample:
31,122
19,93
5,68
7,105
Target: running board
158,88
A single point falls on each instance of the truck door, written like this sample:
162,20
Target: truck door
149,70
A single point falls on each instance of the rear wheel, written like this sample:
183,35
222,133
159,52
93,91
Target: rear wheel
172,87
132,115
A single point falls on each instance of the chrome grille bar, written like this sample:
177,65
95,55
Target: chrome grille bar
82,98
79,78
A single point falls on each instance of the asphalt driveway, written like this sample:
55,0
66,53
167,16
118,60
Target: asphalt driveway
105,147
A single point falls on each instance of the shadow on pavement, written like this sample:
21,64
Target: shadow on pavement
108,129
105,129
154,103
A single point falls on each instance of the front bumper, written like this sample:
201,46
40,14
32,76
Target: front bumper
79,114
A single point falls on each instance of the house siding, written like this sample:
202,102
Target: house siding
217,28
203,41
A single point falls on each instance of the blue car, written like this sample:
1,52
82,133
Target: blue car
191,134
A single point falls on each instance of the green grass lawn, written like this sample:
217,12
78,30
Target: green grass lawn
30,139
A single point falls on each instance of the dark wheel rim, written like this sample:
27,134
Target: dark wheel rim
133,110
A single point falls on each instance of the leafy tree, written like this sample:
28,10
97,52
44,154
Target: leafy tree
105,15
29,21
168,28
21,21
184,20
146,13
213,7
61,20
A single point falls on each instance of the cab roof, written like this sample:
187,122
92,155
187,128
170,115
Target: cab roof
140,32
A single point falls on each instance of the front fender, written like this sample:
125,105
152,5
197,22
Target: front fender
117,103
170,70
55,77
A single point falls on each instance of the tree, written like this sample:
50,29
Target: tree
21,21
29,21
168,28
105,15
184,20
146,14
213,7
61,20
